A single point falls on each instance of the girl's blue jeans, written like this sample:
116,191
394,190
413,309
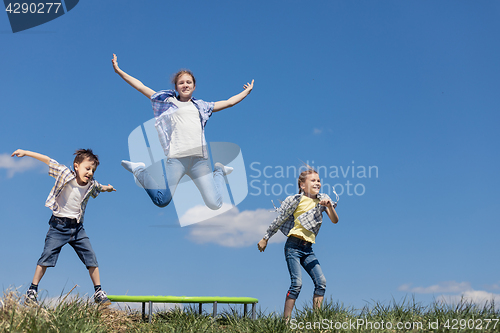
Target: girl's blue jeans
299,253
210,184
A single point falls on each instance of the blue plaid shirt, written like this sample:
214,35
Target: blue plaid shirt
63,176
163,111
311,220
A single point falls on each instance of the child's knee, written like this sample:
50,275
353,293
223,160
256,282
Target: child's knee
214,205
162,202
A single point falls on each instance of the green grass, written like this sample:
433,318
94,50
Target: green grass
75,314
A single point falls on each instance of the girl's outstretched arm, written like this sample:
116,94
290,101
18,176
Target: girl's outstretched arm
146,91
40,157
221,105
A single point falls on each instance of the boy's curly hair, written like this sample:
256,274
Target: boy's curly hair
82,154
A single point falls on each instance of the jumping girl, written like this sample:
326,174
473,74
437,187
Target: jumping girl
180,122
300,217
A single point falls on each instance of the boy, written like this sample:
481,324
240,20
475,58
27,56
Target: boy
67,200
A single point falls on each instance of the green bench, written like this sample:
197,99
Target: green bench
186,299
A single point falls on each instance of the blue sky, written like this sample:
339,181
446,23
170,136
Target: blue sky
408,88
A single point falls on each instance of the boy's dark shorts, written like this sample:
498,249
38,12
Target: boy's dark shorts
62,231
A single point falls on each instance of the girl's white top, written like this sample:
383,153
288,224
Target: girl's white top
164,108
187,135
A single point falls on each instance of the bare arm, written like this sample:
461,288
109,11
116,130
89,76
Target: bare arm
107,188
138,85
330,210
40,157
221,105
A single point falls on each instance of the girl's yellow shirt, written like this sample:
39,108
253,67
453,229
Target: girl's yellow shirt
298,230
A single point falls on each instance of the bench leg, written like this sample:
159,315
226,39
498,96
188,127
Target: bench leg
150,311
244,310
253,311
215,310
200,308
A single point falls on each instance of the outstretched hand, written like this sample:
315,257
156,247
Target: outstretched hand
108,188
248,86
18,153
115,63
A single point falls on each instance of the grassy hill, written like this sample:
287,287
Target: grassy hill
75,314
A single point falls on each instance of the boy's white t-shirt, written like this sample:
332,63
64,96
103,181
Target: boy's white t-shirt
187,135
70,199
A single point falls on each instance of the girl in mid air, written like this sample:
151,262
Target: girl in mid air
180,122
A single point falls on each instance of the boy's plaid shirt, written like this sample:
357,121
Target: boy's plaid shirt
163,113
63,175
311,220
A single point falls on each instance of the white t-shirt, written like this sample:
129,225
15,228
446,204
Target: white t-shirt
70,199
187,135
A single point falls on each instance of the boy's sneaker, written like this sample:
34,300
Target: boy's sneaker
101,298
31,297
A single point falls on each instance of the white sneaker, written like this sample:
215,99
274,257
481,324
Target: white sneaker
131,166
31,297
101,298
225,169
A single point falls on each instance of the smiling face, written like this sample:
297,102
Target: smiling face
84,171
185,86
311,185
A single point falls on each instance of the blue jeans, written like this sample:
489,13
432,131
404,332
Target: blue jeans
210,184
64,231
300,253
